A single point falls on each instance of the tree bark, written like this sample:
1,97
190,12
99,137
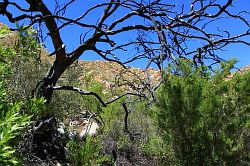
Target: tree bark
51,79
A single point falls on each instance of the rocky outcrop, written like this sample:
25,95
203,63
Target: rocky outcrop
240,71
114,76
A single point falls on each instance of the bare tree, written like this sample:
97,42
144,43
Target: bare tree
164,32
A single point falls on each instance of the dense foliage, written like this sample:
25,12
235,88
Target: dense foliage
204,117
15,113
11,121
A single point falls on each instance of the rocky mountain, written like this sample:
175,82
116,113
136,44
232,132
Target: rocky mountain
109,74
113,75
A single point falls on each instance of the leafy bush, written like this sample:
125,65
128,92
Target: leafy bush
4,30
86,152
28,46
203,117
26,68
14,114
143,144
11,123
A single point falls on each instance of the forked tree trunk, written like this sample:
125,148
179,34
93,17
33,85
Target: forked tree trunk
45,89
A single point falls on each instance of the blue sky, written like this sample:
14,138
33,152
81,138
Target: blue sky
71,35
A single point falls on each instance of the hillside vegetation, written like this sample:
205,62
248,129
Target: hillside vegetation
198,117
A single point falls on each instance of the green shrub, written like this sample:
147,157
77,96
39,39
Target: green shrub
11,123
205,118
4,30
143,139
14,114
35,107
28,46
26,68
86,152
11,120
